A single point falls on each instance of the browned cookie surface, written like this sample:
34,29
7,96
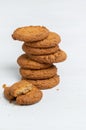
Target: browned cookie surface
25,62
23,92
56,57
21,87
7,93
46,83
29,98
30,33
39,51
39,74
52,40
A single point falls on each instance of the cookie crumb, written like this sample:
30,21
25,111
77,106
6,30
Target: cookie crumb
57,89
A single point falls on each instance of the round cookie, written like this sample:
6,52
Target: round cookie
30,98
30,33
39,51
25,62
52,40
24,93
45,83
57,57
39,74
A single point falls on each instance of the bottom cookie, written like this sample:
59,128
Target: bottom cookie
45,83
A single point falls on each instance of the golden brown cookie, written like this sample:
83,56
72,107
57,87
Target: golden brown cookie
58,56
7,93
45,83
25,62
29,98
23,92
21,87
39,51
52,40
30,33
39,74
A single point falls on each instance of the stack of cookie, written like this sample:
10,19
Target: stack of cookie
41,51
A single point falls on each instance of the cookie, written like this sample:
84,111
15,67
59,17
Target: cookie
39,74
25,62
58,56
21,87
39,51
30,33
30,98
45,83
7,93
51,41
23,93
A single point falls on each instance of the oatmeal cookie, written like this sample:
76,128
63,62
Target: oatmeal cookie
21,87
56,57
45,83
39,51
30,98
30,33
38,74
52,40
25,62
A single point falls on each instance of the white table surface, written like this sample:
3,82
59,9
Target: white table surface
58,110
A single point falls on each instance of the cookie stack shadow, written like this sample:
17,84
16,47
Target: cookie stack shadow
41,51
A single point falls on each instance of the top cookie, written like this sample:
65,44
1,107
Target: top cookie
52,40
30,33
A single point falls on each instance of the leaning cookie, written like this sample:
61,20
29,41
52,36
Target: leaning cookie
45,83
25,62
30,98
39,51
38,74
51,41
56,57
30,33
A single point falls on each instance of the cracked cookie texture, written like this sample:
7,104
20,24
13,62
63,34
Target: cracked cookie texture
56,57
23,93
45,83
30,33
39,74
25,62
52,40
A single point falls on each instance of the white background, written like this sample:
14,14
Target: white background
58,110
